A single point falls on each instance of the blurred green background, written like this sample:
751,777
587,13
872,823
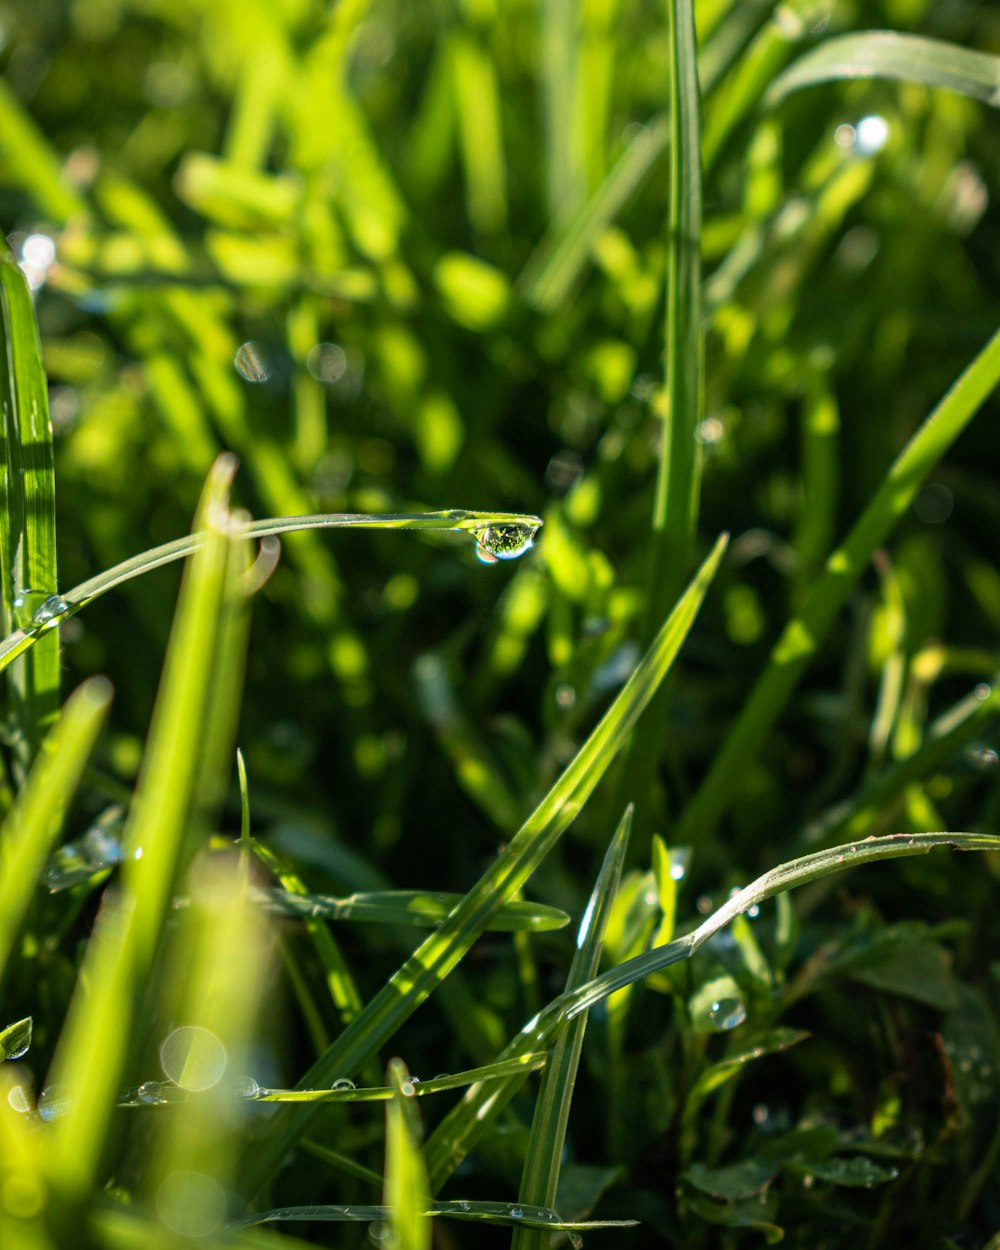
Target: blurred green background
405,256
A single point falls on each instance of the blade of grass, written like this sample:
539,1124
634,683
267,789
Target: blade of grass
543,1158
901,57
167,820
456,519
414,907
27,506
406,1194
433,959
507,1214
33,824
802,636
564,173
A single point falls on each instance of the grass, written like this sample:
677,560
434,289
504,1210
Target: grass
669,338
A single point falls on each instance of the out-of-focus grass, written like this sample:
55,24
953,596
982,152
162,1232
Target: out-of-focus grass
404,258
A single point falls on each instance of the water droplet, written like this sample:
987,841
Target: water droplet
19,1097
53,1102
680,862
52,608
981,757
342,1083
152,1092
25,605
727,1013
247,1087
251,364
18,1039
407,1089
503,542
753,911
466,1206
516,1213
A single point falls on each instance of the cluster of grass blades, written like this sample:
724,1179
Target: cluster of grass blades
212,993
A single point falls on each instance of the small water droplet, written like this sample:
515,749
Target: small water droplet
247,1087
152,1092
465,1205
49,610
753,911
342,1083
981,757
251,363
53,1102
26,602
516,1213
18,1039
680,862
503,542
407,1089
727,1013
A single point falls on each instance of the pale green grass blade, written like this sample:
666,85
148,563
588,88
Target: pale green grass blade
166,824
27,506
406,1194
506,1214
22,1213
481,524
480,134
33,824
564,173
543,1159
425,908
901,57
803,635
28,161
442,951
558,263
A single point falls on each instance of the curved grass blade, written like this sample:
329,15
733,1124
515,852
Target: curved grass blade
431,962
543,1158
27,504
456,519
802,636
406,1193
509,1214
34,822
424,908
900,57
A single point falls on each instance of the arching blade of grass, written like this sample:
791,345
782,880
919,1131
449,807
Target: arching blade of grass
35,820
431,962
802,636
543,1160
886,54
406,1194
453,1138
166,824
27,506
456,519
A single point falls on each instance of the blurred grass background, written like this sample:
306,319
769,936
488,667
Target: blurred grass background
411,256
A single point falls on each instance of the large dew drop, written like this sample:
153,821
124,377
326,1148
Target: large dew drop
503,542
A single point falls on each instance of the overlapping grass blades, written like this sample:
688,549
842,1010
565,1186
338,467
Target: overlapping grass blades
27,506
438,955
804,633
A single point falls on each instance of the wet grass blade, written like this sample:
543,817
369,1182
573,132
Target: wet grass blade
455,519
34,823
543,1160
802,636
27,507
901,57
431,962
424,908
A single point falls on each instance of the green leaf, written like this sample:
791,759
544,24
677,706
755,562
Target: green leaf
887,54
857,1172
406,1193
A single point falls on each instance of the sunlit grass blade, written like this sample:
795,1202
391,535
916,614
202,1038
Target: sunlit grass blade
543,1159
22,1211
560,260
34,822
27,506
438,955
406,1194
892,55
166,824
424,908
455,519
802,636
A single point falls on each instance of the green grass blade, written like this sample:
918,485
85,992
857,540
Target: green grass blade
477,523
406,1194
557,264
166,823
29,162
900,57
27,508
442,951
543,1159
802,636
507,1214
33,823
415,907
564,172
